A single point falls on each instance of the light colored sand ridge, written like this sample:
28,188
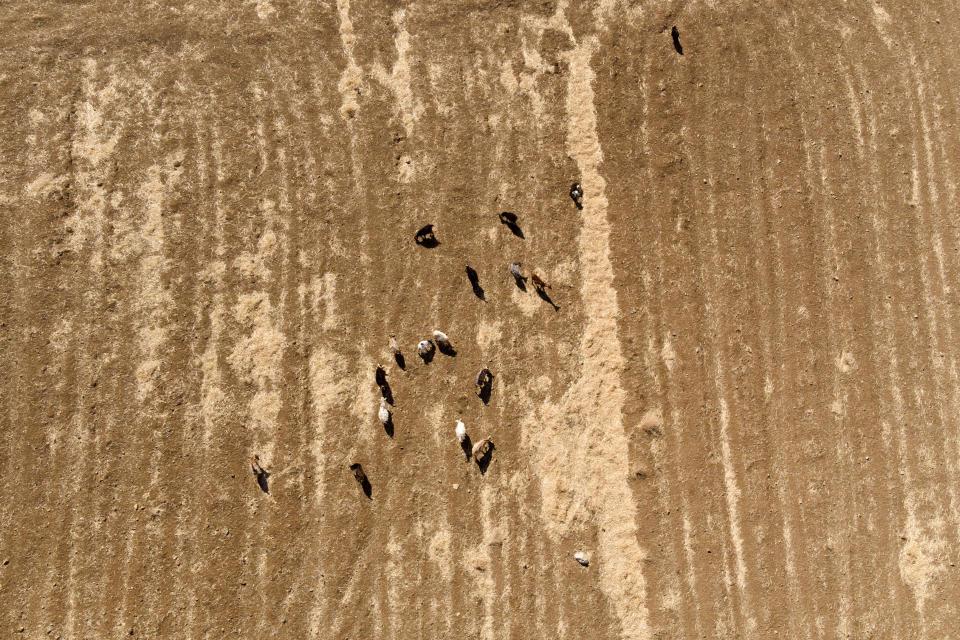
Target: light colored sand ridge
351,78
581,445
154,299
398,79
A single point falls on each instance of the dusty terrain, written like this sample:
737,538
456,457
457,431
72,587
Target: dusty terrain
745,409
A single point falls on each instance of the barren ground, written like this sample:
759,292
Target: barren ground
745,409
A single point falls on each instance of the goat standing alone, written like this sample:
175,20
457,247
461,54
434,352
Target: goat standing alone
576,194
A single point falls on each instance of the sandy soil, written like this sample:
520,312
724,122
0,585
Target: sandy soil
743,408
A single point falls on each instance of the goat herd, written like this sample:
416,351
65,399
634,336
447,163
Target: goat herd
482,450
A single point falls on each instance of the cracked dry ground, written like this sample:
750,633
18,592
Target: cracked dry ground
744,408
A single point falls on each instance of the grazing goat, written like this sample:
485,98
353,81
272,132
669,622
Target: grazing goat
260,473
397,356
361,478
538,282
381,376
675,34
484,377
510,219
518,276
474,282
443,342
425,237
383,384
576,194
384,413
464,439
482,451
484,383
424,348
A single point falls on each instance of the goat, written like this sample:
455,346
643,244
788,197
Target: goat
474,282
443,342
484,377
576,194
464,439
260,473
361,478
424,348
395,349
381,377
510,219
517,275
483,382
675,34
482,452
425,237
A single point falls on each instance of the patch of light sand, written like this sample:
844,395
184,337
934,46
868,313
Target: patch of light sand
579,444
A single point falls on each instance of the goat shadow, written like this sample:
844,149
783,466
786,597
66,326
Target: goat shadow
521,283
262,482
675,34
400,362
428,242
386,392
546,298
484,464
426,238
467,446
361,477
485,389
475,282
447,350
510,220
388,427
428,356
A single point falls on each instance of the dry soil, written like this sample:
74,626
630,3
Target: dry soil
743,403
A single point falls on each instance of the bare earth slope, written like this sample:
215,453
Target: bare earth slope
744,409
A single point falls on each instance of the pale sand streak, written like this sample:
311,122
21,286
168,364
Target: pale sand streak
731,490
936,243
781,476
211,382
839,393
331,387
587,464
668,355
837,407
884,326
922,541
952,445
351,78
914,567
399,78
91,150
